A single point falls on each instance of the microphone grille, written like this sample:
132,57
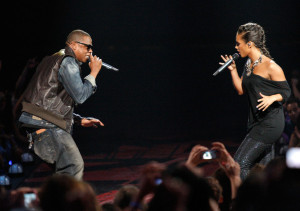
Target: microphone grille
235,56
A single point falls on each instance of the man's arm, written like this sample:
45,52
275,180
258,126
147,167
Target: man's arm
86,121
69,76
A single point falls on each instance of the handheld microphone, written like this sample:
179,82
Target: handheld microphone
234,57
107,66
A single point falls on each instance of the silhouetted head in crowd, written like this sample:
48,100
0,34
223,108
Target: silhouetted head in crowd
109,207
292,108
216,187
251,194
256,169
64,193
273,171
224,181
277,187
125,195
183,190
284,190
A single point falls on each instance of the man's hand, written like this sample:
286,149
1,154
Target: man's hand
149,174
91,123
95,65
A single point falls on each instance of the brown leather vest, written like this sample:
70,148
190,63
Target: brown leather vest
45,95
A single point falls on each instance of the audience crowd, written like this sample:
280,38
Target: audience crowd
14,150
182,187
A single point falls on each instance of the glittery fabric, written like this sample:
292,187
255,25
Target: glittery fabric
252,151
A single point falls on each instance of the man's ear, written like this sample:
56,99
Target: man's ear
73,45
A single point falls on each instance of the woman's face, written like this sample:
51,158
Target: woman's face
241,46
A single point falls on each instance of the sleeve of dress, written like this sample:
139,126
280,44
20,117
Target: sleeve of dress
285,90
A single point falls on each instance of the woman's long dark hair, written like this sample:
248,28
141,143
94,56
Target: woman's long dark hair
256,34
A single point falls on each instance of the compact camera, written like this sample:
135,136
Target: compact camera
210,154
29,198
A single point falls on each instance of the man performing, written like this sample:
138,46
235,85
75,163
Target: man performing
49,100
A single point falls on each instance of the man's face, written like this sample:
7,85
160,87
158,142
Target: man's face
293,111
82,48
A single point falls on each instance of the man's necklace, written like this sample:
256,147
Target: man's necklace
255,63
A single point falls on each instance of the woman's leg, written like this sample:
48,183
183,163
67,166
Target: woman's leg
250,152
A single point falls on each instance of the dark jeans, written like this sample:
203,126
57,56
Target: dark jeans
251,152
56,146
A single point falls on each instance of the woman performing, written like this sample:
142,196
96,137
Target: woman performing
265,85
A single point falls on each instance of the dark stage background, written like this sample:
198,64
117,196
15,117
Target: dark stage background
166,51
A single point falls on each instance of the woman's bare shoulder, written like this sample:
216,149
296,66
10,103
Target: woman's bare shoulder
275,71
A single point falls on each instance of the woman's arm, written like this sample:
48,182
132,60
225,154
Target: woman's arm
236,80
265,101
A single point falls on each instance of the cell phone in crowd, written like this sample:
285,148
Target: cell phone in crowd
293,158
209,155
158,181
29,198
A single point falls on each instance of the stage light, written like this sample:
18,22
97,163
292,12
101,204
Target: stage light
4,180
16,169
27,157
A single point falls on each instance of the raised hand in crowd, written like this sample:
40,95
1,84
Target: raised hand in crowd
195,156
14,199
230,166
223,157
151,177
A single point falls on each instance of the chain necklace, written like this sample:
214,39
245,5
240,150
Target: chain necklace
255,63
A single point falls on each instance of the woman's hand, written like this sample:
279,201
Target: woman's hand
225,59
266,101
